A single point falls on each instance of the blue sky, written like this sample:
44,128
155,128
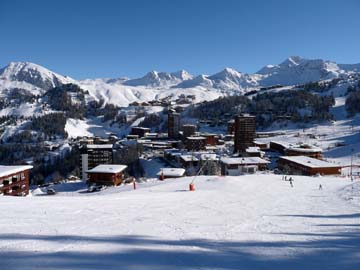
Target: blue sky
89,39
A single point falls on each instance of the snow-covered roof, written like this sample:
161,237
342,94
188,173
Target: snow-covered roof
188,158
108,168
311,149
7,170
244,160
141,128
174,172
208,157
99,146
310,162
284,144
196,138
253,149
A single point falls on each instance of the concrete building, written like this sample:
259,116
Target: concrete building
238,166
14,180
173,124
107,174
245,126
93,155
195,143
188,130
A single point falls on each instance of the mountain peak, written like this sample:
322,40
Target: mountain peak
182,75
292,61
33,74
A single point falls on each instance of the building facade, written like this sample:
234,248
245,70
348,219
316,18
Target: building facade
14,180
304,165
93,155
245,126
173,124
188,130
107,174
195,143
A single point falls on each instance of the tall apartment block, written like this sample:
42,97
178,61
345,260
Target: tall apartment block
173,124
245,126
92,155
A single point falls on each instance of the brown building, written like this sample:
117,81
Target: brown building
173,124
307,166
195,143
14,180
210,139
245,126
140,131
107,174
93,155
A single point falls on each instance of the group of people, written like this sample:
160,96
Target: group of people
291,180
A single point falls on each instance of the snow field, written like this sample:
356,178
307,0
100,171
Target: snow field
245,222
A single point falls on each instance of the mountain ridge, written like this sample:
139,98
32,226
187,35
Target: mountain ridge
292,71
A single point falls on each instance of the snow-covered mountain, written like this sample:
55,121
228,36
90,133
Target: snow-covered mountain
295,70
155,79
31,77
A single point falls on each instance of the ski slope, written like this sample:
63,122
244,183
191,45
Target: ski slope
245,222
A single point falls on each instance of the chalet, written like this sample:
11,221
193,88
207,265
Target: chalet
171,173
14,180
238,166
107,174
307,166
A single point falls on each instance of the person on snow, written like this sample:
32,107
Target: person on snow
291,182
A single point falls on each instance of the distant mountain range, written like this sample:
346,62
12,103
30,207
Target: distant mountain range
36,80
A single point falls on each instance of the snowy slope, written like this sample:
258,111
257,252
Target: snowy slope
248,222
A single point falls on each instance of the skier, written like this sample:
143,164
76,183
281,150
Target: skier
291,182
320,187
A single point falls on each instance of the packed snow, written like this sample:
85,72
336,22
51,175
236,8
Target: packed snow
244,222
